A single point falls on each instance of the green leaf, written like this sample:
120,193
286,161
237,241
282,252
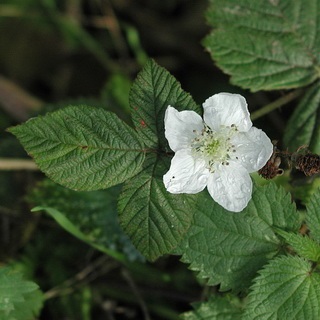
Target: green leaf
302,128
229,248
152,92
302,245
286,288
313,216
26,309
217,308
91,216
16,295
82,148
266,45
65,223
155,219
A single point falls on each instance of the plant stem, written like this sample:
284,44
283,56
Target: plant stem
9,164
276,104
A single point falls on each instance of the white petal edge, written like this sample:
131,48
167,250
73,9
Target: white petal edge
253,149
227,109
186,174
179,127
231,187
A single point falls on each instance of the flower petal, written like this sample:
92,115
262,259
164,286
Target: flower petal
231,187
186,174
227,109
179,127
252,149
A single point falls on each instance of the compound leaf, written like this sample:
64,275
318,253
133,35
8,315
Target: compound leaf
227,248
266,45
82,148
285,289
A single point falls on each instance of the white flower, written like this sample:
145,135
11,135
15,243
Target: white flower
217,152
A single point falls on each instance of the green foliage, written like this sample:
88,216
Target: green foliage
89,216
265,45
152,92
229,249
217,308
155,220
287,288
302,128
19,299
304,246
82,148
313,216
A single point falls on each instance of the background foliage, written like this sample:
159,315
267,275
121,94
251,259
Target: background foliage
86,248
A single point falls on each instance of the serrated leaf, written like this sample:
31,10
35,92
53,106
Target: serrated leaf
15,294
91,216
27,309
217,308
302,245
265,45
286,289
227,248
313,216
302,128
155,219
82,148
151,93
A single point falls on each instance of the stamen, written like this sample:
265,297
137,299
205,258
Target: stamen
214,146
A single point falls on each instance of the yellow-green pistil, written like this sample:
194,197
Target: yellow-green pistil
214,147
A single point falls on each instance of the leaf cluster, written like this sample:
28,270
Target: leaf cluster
87,148
263,45
284,267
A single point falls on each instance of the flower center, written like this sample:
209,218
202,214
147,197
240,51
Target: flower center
214,147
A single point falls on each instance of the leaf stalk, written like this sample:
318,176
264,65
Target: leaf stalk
276,104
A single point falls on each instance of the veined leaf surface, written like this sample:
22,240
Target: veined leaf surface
155,219
287,288
266,45
229,248
151,93
82,148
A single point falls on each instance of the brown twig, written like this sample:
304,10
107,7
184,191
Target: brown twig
137,294
9,164
81,278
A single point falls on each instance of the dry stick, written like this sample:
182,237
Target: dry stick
80,278
9,164
276,104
